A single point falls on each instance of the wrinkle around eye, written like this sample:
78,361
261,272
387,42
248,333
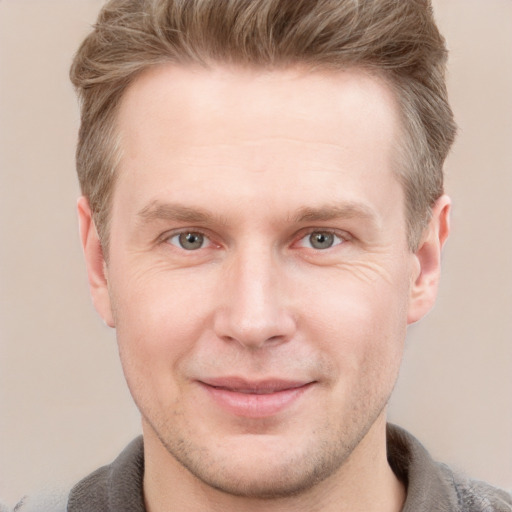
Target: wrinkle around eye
369,272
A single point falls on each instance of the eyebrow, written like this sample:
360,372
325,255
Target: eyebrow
347,210
157,210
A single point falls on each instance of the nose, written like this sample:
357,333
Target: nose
254,309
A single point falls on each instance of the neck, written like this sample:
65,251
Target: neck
365,482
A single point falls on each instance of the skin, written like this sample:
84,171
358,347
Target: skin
258,164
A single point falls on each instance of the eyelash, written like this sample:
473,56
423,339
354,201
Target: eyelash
336,238
340,237
179,234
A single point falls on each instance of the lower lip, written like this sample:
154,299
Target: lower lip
253,405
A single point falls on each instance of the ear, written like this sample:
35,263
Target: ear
95,262
428,261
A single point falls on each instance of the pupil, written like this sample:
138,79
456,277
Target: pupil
321,240
191,240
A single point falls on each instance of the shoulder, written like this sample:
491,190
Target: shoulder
117,486
476,496
433,487
45,501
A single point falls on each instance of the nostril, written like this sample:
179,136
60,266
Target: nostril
255,335
275,339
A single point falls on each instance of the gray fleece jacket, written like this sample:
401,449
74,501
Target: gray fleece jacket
431,487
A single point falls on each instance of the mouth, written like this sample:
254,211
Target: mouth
254,399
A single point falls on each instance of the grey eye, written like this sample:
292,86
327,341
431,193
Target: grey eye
189,241
322,239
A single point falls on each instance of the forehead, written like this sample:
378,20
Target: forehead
231,97
190,128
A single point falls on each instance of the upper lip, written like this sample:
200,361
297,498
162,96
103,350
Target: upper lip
260,386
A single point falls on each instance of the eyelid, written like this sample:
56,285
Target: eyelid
343,235
166,237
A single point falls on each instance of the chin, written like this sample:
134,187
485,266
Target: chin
280,476
261,466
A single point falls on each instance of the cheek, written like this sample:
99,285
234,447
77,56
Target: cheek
158,321
361,324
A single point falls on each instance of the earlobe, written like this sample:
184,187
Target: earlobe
428,261
95,262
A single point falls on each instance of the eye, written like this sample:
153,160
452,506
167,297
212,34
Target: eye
320,240
189,240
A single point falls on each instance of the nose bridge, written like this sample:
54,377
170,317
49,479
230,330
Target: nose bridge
254,310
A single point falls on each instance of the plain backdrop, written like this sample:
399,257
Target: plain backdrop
64,406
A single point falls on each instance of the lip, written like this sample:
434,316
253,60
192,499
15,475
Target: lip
254,399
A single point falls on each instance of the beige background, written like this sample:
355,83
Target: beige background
64,408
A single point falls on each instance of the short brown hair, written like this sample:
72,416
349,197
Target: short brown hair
398,39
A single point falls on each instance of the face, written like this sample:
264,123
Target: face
258,277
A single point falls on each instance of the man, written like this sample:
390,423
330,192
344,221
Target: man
262,217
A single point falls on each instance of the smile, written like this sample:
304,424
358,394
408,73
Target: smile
254,399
